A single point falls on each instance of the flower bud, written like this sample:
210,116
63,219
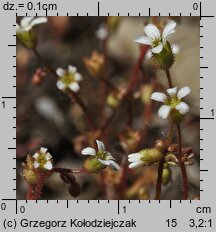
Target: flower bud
165,58
95,64
27,38
93,165
113,100
161,145
166,176
30,176
151,156
146,93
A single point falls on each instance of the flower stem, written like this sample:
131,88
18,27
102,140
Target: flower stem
90,121
169,78
182,166
44,62
159,179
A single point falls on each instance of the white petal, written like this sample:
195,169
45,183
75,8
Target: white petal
74,87
36,155
190,156
48,156
183,92
134,159
182,107
109,156
172,91
143,40
134,155
36,164
152,32
88,151
38,20
100,145
60,85
148,54
77,77
157,49
102,32
160,97
136,164
114,165
72,69
175,49
105,162
48,165
168,30
60,72
25,22
163,112
43,150
17,27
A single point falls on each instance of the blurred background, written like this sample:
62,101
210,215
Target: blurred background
46,117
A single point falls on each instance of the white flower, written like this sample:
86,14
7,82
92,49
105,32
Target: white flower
27,23
68,78
172,102
102,32
104,157
43,159
154,38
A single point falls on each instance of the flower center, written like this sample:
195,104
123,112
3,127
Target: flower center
156,42
101,155
173,102
68,78
41,160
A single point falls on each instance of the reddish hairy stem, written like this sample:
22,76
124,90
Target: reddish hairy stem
182,166
169,78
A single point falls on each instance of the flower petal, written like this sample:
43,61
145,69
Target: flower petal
48,156
77,77
36,155
105,162
143,40
72,69
36,164
114,165
136,164
168,30
175,49
17,27
38,20
183,92
48,165
102,32
148,54
157,49
109,156
74,87
152,32
43,150
88,151
25,22
60,85
164,111
134,159
157,96
100,145
133,155
172,91
182,107
60,72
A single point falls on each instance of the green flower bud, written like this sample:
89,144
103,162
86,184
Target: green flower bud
30,176
113,100
166,176
93,165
